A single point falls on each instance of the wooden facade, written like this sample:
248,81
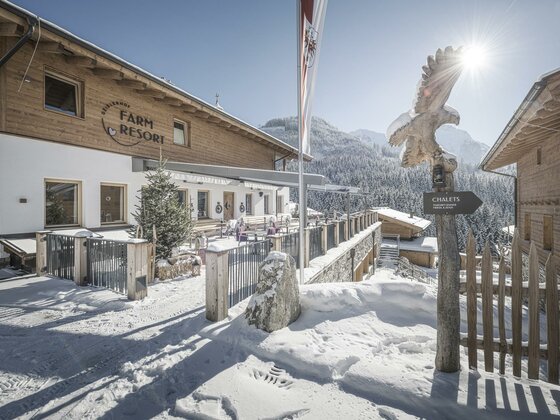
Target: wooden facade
531,141
108,86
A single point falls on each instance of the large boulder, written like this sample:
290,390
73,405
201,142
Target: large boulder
275,303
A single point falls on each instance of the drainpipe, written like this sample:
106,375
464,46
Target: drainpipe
32,24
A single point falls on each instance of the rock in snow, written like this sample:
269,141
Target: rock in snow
275,303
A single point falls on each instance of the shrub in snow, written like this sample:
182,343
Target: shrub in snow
160,208
275,303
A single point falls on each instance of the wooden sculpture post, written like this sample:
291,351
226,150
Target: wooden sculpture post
448,310
415,132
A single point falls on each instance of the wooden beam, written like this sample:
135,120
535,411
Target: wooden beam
10,29
151,92
224,124
52,47
81,61
108,73
132,83
189,108
235,129
202,114
172,101
214,119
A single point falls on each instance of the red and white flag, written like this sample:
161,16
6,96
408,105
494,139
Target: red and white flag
312,17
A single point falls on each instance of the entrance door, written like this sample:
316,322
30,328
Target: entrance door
228,205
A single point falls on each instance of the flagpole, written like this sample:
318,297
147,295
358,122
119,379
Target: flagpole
302,204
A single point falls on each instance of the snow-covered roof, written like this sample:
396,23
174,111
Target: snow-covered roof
403,218
421,244
508,230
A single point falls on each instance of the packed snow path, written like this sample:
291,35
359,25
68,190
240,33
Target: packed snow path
362,350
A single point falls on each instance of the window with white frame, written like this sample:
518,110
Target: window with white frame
249,204
267,204
113,204
62,203
203,204
181,133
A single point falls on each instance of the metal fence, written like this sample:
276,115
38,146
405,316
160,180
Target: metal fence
60,256
315,242
107,264
290,245
243,269
330,236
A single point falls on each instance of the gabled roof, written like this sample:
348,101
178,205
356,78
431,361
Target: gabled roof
416,223
104,62
536,120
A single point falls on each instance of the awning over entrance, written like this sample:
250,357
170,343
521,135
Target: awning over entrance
278,178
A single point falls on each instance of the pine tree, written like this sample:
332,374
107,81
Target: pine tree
160,208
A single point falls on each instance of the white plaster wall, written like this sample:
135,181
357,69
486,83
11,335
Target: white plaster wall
26,163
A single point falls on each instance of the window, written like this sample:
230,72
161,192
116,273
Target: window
279,204
62,94
113,200
249,203
182,197
539,156
180,133
203,205
266,204
62,203
547,233
527,228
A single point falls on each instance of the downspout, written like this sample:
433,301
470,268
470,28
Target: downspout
30,30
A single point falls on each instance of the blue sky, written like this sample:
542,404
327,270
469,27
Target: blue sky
370,60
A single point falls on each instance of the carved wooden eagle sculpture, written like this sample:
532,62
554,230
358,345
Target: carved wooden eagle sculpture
416,128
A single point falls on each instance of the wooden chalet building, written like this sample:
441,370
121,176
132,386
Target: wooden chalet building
79,127
531,140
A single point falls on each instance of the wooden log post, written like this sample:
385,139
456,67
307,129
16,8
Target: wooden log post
534,328
487,309
337,232
471,301
41,252
217,285
80,261
552,315
137,268
501,314
516,302
448,310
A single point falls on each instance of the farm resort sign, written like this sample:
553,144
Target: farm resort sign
126,127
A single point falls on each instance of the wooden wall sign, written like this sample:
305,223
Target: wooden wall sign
457,202
126,127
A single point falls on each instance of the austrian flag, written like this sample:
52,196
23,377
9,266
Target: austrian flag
312,14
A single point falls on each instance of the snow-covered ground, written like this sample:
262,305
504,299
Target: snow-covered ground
361,350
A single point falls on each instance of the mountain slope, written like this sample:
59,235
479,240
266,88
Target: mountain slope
345,159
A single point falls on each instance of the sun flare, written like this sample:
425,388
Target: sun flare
475,57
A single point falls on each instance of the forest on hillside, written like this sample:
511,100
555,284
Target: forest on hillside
344,160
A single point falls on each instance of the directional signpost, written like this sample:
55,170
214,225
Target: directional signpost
459,202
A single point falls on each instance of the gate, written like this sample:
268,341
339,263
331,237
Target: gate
107,264
243,269
60,256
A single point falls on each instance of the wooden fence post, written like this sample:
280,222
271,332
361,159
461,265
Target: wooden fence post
516,302
534,332
337,232
276,242
217,285
41,253
471,302
324,238
501,313
80,261
487,289
552,315
306,247
137,268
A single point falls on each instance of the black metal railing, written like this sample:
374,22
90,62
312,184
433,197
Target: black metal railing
243,269
330,236
60,255
315,242
107,264
290,245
